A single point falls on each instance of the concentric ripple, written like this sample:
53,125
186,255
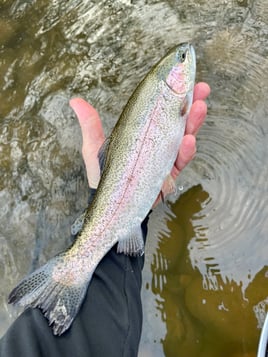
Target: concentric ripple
232,167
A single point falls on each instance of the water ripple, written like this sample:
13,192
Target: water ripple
231,167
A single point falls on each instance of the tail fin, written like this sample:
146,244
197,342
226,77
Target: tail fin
59,301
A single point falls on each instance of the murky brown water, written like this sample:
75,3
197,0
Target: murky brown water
205,280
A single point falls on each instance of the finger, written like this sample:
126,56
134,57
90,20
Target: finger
196,117
186,154
198,110
201,91
93,137
89,121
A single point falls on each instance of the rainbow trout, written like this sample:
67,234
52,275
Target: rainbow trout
137,160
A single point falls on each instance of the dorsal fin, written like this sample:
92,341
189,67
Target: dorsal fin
103,154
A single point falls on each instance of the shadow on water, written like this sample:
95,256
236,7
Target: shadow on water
204,286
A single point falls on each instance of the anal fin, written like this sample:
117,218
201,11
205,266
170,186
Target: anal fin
132,244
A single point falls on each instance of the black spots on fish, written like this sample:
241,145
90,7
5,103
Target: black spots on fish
58,298
102,154
181,54
29,284
59,317
61,307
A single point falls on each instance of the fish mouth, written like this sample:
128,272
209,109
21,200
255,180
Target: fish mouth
193,56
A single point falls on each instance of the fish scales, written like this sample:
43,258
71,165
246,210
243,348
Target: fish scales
139,156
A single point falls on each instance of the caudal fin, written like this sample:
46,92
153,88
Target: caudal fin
58,300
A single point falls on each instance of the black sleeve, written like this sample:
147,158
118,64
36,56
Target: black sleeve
108,324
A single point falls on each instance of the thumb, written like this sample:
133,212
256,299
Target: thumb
93,137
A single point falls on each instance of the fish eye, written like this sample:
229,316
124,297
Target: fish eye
181,56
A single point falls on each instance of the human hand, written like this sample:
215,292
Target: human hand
93,135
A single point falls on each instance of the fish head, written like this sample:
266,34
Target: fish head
177,69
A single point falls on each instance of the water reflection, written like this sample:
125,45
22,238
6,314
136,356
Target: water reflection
183,334
203,313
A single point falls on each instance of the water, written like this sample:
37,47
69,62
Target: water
206,271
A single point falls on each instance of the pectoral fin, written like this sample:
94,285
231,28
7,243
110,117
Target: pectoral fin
186,105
